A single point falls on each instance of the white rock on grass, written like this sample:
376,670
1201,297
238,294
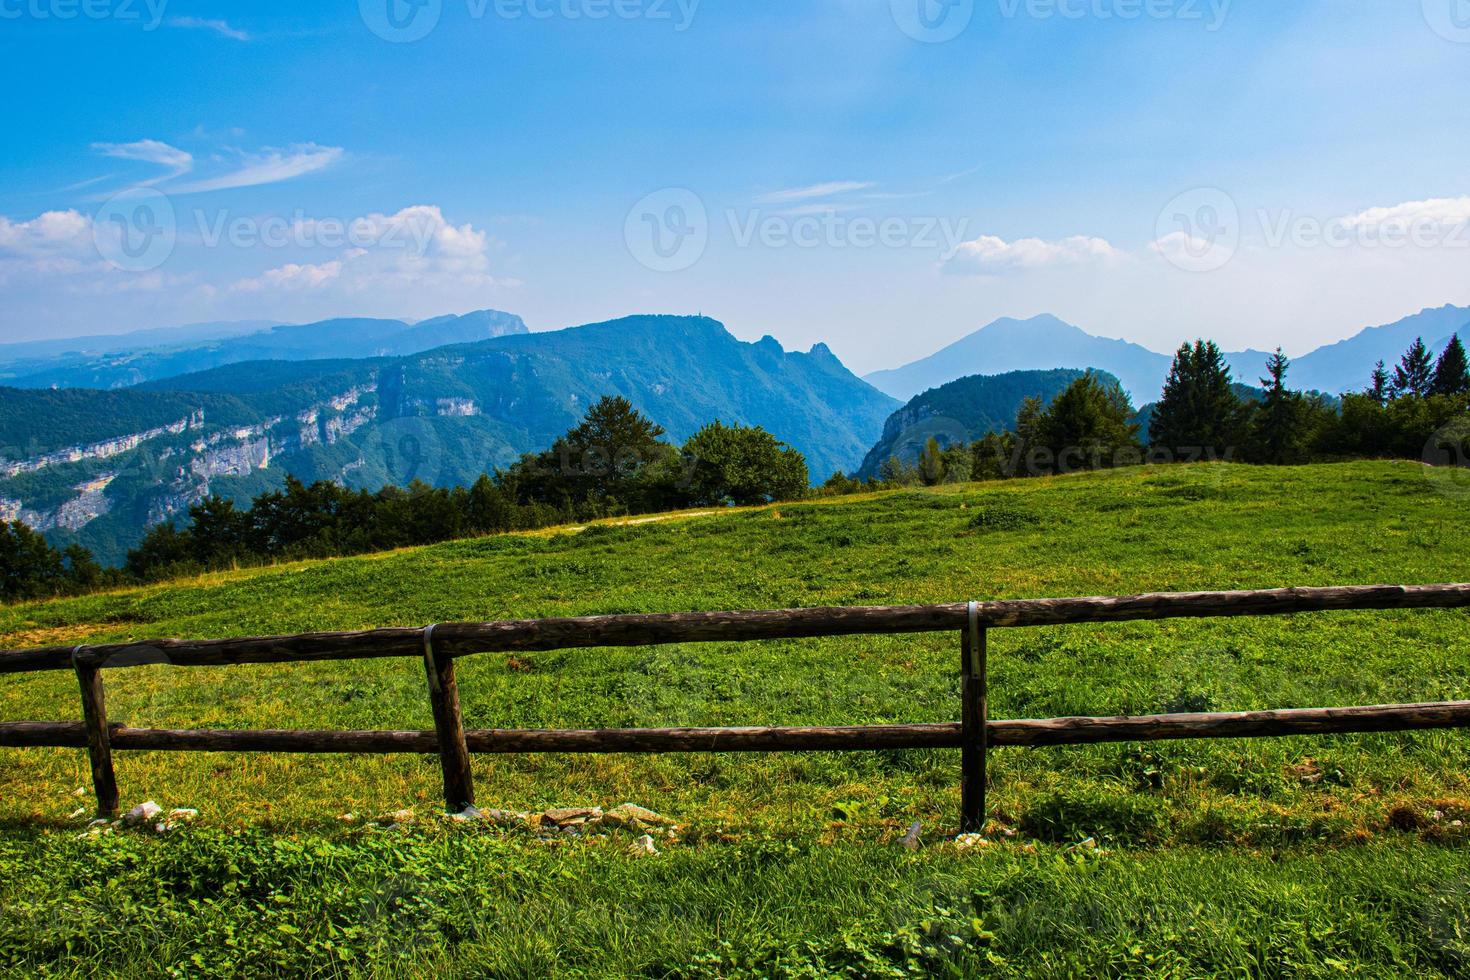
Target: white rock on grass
183,814
643,847
142,813
965,842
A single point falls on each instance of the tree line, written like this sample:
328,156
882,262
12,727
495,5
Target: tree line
1203,415
614,462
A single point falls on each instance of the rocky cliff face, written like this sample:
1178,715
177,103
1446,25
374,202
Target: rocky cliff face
180,469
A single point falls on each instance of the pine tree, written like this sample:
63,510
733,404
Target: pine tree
1381,388
1199,409
1414,375
1278,434
1452,373
1088,426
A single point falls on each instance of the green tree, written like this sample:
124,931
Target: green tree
597,462
29,566
1452,373
990,456
894,472
743,466
1414,375
1088,426
1380,388
931,463
1199,409
1278,427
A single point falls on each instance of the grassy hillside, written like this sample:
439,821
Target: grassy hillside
1303,857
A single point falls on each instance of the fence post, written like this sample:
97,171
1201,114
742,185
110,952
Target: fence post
454,754
99,743
974,717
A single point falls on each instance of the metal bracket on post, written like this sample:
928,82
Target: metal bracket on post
974,720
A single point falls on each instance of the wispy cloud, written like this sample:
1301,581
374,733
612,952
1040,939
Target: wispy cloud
829,189
176,161
269,167
220,27
989,255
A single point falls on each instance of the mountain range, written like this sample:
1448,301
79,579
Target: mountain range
131,359
1045,342
962,411
98,466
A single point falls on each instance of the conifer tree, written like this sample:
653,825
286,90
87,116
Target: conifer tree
1199,409
1277,427
1452,373
1414,375
1381,388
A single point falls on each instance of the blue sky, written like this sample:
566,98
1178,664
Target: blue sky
819,170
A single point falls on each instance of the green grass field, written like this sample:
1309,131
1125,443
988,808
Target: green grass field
1299,857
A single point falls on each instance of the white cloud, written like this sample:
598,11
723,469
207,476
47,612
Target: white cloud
292,276
828,189
220,27
46,234
990,255
269,167
1439,211
414,249
175,160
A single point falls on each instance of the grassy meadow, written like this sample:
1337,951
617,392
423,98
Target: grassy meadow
1302,857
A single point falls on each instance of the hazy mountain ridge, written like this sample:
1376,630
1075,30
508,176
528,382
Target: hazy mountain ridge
1045,342
443,416
345,337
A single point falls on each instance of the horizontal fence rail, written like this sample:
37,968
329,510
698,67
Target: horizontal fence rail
440,645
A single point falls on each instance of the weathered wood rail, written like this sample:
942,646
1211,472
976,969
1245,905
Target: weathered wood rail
975,734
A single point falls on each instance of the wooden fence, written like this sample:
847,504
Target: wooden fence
975,734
